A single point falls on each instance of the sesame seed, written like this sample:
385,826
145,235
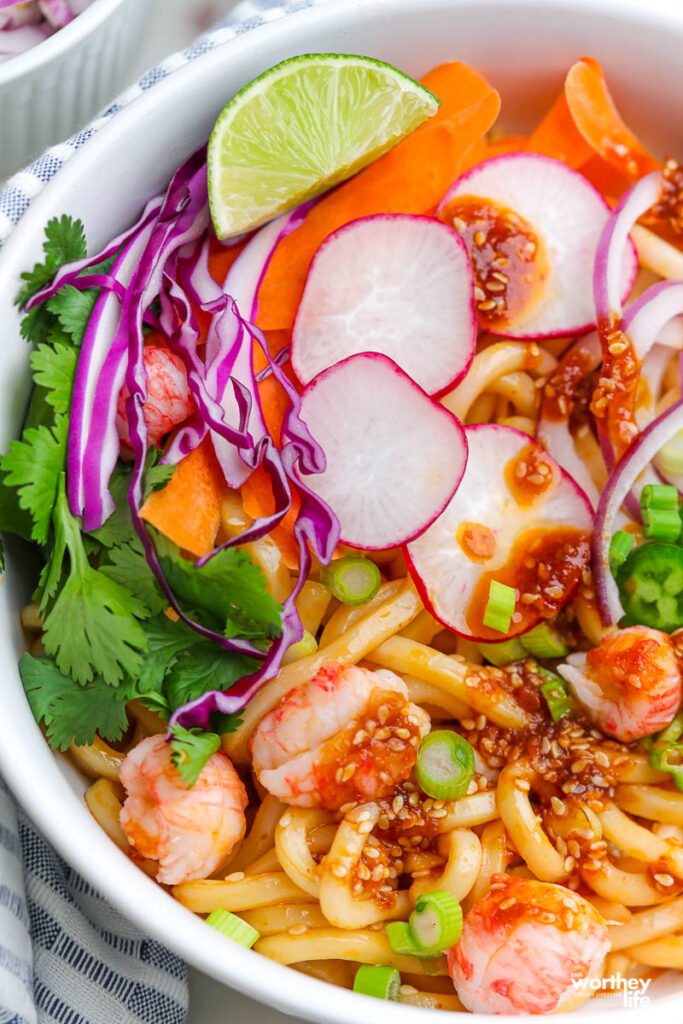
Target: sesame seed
557,805
569,863
479,239
507,903
665,880
236,876
339,870
286,820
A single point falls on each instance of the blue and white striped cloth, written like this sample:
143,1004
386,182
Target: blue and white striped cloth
66,955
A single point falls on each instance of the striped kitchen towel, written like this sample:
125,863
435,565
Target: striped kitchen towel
66,955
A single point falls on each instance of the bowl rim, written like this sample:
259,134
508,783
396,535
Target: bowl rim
142,901
61,41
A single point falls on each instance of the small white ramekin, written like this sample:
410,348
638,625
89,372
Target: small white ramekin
54,88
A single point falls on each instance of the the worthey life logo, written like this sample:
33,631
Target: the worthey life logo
634,990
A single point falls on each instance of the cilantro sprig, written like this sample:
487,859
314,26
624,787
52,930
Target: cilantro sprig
108,638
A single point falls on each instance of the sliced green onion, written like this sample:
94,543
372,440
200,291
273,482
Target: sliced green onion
307,645
544,642
445,765
353,580
556,693
503,654
436,922
233,927
402,941
662,760
380,982
619,549
500,606
659,496
669,458
661,523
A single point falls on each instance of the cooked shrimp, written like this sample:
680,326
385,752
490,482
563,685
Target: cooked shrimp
348,735
189,831
528,947
630,684
169,401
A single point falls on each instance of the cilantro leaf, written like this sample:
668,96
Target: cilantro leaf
192,748
34,465
64,243
73,713
90,629
54,368
128,568
165,639
230,588
73,309
118,529
202,668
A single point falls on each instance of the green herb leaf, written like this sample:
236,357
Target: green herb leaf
166,639
230,588
34,465
202,668
90,629
192,748
73,309
54,368
72,713
64,243
129,569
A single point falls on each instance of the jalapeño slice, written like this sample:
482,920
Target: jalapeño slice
651,586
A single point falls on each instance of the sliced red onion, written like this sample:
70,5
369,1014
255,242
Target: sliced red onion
555,435
615,242
621,481
646,319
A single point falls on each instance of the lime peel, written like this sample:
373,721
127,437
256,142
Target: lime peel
305,125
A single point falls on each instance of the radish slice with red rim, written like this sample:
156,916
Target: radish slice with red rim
516,518
532,226
394,456
397,284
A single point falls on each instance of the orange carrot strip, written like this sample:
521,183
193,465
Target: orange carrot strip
258,500
188,508
597,118
411,178
557,136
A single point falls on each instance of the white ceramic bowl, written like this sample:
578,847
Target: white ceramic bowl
524,47
54,88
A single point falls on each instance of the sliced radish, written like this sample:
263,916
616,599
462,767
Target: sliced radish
393,283
516,518
532,226
394,456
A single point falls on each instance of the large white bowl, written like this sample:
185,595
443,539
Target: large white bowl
56,87
523,46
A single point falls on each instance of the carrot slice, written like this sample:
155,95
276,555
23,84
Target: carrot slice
188,508
258,500
411,178
557,136
585,130
597,118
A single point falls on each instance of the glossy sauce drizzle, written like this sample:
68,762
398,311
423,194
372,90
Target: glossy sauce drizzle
544,567
507,257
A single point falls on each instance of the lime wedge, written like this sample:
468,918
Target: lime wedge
303,126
